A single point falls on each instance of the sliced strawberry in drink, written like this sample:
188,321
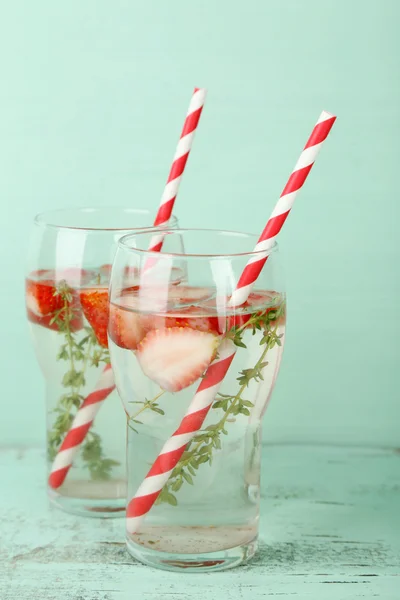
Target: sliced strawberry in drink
264,302
41,298
44,305
94,303
176,357
260,302
226,317
261,299
130,289
125,326
193,317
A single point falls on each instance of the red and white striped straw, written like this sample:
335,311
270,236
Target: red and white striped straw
202,401
173,449
85,415
282,208
178,165
80,426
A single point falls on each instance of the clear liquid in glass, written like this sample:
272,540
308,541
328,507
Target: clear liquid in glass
212,519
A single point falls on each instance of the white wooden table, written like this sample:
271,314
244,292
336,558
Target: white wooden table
330,529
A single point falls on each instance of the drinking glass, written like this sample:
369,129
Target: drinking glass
68,269
194,453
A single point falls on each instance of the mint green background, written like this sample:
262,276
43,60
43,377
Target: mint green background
92,100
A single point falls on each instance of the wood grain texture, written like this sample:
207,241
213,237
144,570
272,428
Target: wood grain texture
330,529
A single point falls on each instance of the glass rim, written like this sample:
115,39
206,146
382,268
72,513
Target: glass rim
122,243
48,218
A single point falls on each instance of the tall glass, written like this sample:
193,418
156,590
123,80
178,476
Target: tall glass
69,265
163,336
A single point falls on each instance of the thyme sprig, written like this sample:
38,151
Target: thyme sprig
202,447
79,355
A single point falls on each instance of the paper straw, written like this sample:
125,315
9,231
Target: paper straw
178,165
202,401
80,427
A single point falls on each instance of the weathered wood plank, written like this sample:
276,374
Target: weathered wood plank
330,529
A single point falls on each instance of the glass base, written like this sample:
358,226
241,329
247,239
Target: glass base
93,505
194,563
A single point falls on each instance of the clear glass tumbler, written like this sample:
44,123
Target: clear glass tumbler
69,265
194,485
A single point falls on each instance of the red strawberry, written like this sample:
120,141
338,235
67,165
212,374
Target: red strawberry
193,317
42,302
176,357
261,299
94,302
224,320
261,302
256,300
40,297
125,327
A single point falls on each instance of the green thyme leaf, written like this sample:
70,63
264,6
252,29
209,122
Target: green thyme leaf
201,448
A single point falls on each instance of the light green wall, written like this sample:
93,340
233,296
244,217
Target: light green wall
91,103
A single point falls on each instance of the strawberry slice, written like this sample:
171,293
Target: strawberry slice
42,302
193,317
255,303
40,297
261,298
94,303
265,302
125,327
260,301
176,357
